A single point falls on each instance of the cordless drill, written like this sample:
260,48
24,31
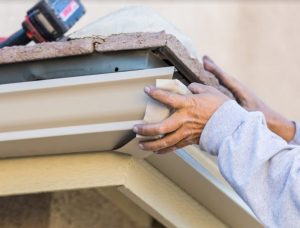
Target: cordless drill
48,20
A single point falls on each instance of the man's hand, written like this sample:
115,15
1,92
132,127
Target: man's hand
247,99
185,125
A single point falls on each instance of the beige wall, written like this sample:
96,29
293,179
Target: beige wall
257,41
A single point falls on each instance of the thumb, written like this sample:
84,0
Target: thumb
210,66
197,88
228,81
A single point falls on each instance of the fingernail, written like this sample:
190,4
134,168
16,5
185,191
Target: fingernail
141,146
135,129
147,89
208,58
208,61
208,65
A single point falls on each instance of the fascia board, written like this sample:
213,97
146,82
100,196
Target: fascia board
80,114
137,179
163,199
64,172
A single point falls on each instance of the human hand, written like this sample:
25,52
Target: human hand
248,100
185,125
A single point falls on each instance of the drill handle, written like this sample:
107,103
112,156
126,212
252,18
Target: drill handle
18,38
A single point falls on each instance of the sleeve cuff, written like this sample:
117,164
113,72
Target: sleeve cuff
296,139
221,125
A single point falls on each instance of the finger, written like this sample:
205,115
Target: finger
197,88
225,79
169,125
166,151
179,145
170,99
165,142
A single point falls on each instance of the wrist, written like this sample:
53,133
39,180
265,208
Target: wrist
281,126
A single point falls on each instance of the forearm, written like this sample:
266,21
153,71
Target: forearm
280,125
259,165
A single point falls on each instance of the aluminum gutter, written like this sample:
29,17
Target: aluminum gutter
79,114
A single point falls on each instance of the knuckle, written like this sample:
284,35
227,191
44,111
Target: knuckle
164,144
186,100
155,93
160,129
171,100
157,145
150,146
193,84
185,134
190,141
210,88
141,129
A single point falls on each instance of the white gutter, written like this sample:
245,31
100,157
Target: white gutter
78,114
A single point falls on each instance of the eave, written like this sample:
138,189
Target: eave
166,46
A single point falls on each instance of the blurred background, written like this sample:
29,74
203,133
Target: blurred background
256,41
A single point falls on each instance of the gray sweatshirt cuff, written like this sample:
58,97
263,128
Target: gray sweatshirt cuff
296,139
221,125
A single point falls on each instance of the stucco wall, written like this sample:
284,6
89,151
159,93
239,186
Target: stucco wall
72,209
257,41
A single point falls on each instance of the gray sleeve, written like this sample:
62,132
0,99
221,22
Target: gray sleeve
262,168
296,139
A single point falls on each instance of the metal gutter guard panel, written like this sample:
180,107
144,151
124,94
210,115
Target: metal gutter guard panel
79,114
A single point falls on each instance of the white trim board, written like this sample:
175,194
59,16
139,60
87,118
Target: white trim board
204,187
137,179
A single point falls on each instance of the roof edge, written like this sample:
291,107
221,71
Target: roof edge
168,45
